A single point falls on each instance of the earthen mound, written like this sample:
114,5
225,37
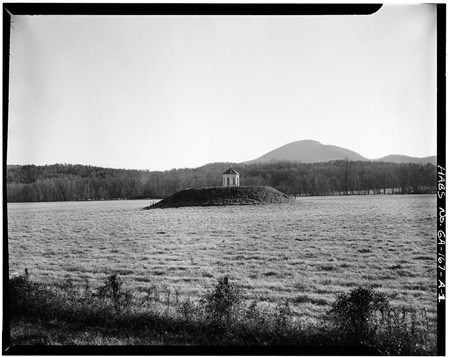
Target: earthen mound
222,196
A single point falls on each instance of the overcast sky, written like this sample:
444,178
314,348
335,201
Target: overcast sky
162,92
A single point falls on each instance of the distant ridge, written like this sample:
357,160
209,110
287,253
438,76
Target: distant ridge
399,159
310,151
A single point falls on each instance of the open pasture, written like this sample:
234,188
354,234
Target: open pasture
305,252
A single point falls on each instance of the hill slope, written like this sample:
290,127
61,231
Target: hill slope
221,196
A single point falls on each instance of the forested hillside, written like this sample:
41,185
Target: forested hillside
78,182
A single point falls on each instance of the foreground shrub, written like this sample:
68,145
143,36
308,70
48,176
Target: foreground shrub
113,294
223,302
365,317
31,299
353,313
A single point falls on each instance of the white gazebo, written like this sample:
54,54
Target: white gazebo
230,177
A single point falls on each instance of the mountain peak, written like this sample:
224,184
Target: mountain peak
309,151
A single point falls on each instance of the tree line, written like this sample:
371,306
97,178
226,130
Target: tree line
65,182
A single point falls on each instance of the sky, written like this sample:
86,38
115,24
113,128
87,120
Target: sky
163,92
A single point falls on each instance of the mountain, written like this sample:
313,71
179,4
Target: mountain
400,159
314,151
309,151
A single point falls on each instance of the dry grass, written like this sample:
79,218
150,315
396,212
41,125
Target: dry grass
308,251
50,315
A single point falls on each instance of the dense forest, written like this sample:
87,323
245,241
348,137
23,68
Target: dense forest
63,182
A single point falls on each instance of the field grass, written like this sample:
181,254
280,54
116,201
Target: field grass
50,315
306,253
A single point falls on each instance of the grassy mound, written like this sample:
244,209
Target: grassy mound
220,196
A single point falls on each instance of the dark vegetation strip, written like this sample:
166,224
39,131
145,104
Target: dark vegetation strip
59,182
69,314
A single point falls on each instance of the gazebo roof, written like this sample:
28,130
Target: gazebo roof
230,171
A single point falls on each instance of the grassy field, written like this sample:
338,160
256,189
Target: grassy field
306,252
359,322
